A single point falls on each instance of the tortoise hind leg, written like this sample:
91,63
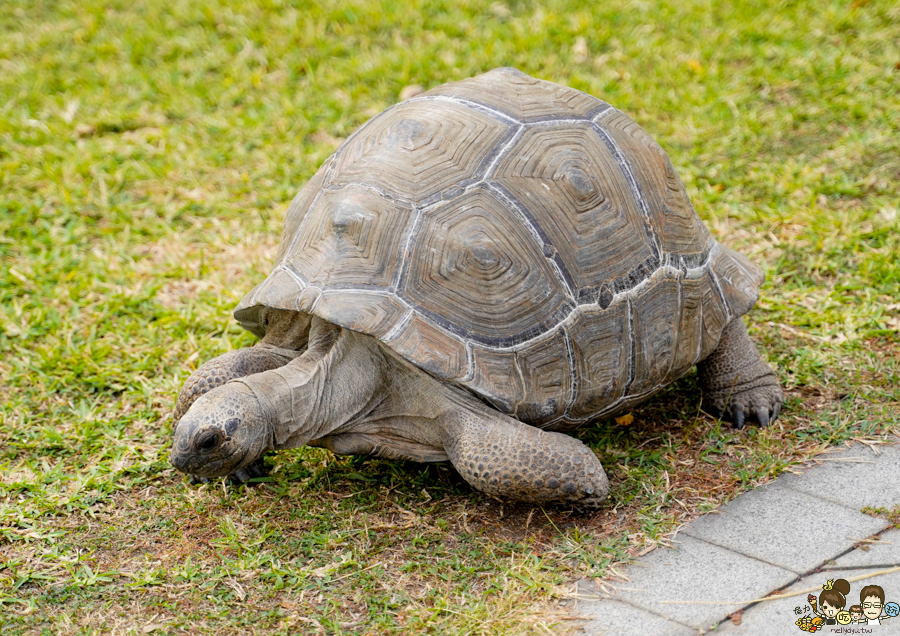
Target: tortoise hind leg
737,382
504,457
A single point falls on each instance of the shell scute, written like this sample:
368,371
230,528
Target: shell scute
475,265
671,215
280,290
496,374
655,314
740,279
351,237
299,207
715,316
547,378
570,181
434,350
361,311
601,339
416,151
690,326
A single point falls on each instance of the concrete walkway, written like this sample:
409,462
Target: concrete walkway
791,535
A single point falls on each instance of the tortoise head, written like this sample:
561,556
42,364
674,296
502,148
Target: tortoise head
224,430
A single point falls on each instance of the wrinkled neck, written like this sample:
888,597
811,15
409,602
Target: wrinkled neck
335,381
286,329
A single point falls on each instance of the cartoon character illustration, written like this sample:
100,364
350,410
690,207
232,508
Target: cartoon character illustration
871,597
832,600
828,608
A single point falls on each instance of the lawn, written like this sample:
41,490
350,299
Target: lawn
148,152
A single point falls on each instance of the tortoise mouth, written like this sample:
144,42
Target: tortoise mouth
204,466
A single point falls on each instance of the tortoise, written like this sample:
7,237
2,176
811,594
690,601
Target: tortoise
474,273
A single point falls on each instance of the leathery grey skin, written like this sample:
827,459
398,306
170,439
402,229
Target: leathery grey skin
285,339
346,392
349,394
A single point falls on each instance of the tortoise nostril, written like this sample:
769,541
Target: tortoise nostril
177,461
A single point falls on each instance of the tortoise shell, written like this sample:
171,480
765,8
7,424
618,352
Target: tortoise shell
515,237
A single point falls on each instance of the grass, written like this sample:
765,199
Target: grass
148,151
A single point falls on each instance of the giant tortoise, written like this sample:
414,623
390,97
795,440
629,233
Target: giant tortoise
474,272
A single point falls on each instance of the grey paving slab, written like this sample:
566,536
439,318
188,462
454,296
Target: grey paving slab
774,618
615,618
698,571
785,527
885,552
855,477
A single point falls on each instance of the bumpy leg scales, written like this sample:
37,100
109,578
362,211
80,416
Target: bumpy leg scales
737,383
506,458
234,364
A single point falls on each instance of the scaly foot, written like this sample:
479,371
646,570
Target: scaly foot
737,383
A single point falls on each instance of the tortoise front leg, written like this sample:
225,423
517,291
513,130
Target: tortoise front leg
287,333
506,458
227,367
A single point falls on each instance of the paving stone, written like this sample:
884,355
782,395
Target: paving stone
757,544
853,483
698,571
785,527
616,618
885,552
774,618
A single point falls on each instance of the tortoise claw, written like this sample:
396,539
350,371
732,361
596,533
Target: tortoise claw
198,479
738,417
259,469
762,416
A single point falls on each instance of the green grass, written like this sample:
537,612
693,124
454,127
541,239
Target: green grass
148,151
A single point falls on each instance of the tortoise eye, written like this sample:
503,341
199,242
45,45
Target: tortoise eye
208,441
